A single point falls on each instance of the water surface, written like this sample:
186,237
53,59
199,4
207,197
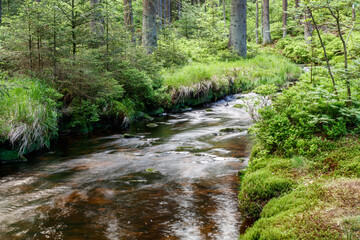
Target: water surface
175,181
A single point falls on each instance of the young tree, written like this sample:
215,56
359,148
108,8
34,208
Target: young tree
266,23
149,31
307,26
237,36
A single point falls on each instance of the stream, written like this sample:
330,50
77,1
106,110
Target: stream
174,181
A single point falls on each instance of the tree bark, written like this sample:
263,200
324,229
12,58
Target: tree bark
128,15
0,11
297,3
149,31
224,12
307,27
237,36
168,12
266,23
257,22
284,17
179,9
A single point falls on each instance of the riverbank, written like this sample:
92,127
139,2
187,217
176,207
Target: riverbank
36,113
303,178
304,198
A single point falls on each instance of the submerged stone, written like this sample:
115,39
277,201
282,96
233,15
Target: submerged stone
152,125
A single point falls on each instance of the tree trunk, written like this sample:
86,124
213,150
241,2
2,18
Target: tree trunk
149,31
168,12
297,2
0,11
160,13
266,22
307,27
337,18
257,22
324,49
284,18
179,9
224,12
128,15
237,36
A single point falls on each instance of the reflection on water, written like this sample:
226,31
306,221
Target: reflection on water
176,181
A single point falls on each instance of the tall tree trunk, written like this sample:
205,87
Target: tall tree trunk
224,12
257,22
1,11
128,15
73,29
284,18
160,13
307,27
179,9
237,36
149,31
164,11
168,12
266,22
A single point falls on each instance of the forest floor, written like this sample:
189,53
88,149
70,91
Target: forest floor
305,198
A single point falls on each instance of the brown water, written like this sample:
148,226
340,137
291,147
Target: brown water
175,181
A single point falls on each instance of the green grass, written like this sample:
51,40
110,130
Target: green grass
299,198
262,68
216,79
28,116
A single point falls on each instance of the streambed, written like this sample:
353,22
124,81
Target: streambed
174,181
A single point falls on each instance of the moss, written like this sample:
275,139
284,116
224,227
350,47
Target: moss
258,187
304,198
152,125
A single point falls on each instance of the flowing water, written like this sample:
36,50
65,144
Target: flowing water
174,181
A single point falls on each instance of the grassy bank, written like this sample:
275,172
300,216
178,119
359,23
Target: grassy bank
198,83
28,116
305,198
303,179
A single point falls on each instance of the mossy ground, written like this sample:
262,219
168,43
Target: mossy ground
304,198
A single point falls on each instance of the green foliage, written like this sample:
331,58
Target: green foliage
28,116
303,115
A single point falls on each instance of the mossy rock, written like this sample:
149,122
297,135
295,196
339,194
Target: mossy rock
128,135
231,130
238,106
152,125
209,110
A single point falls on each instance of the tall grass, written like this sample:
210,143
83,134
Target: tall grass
28,115
241,75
